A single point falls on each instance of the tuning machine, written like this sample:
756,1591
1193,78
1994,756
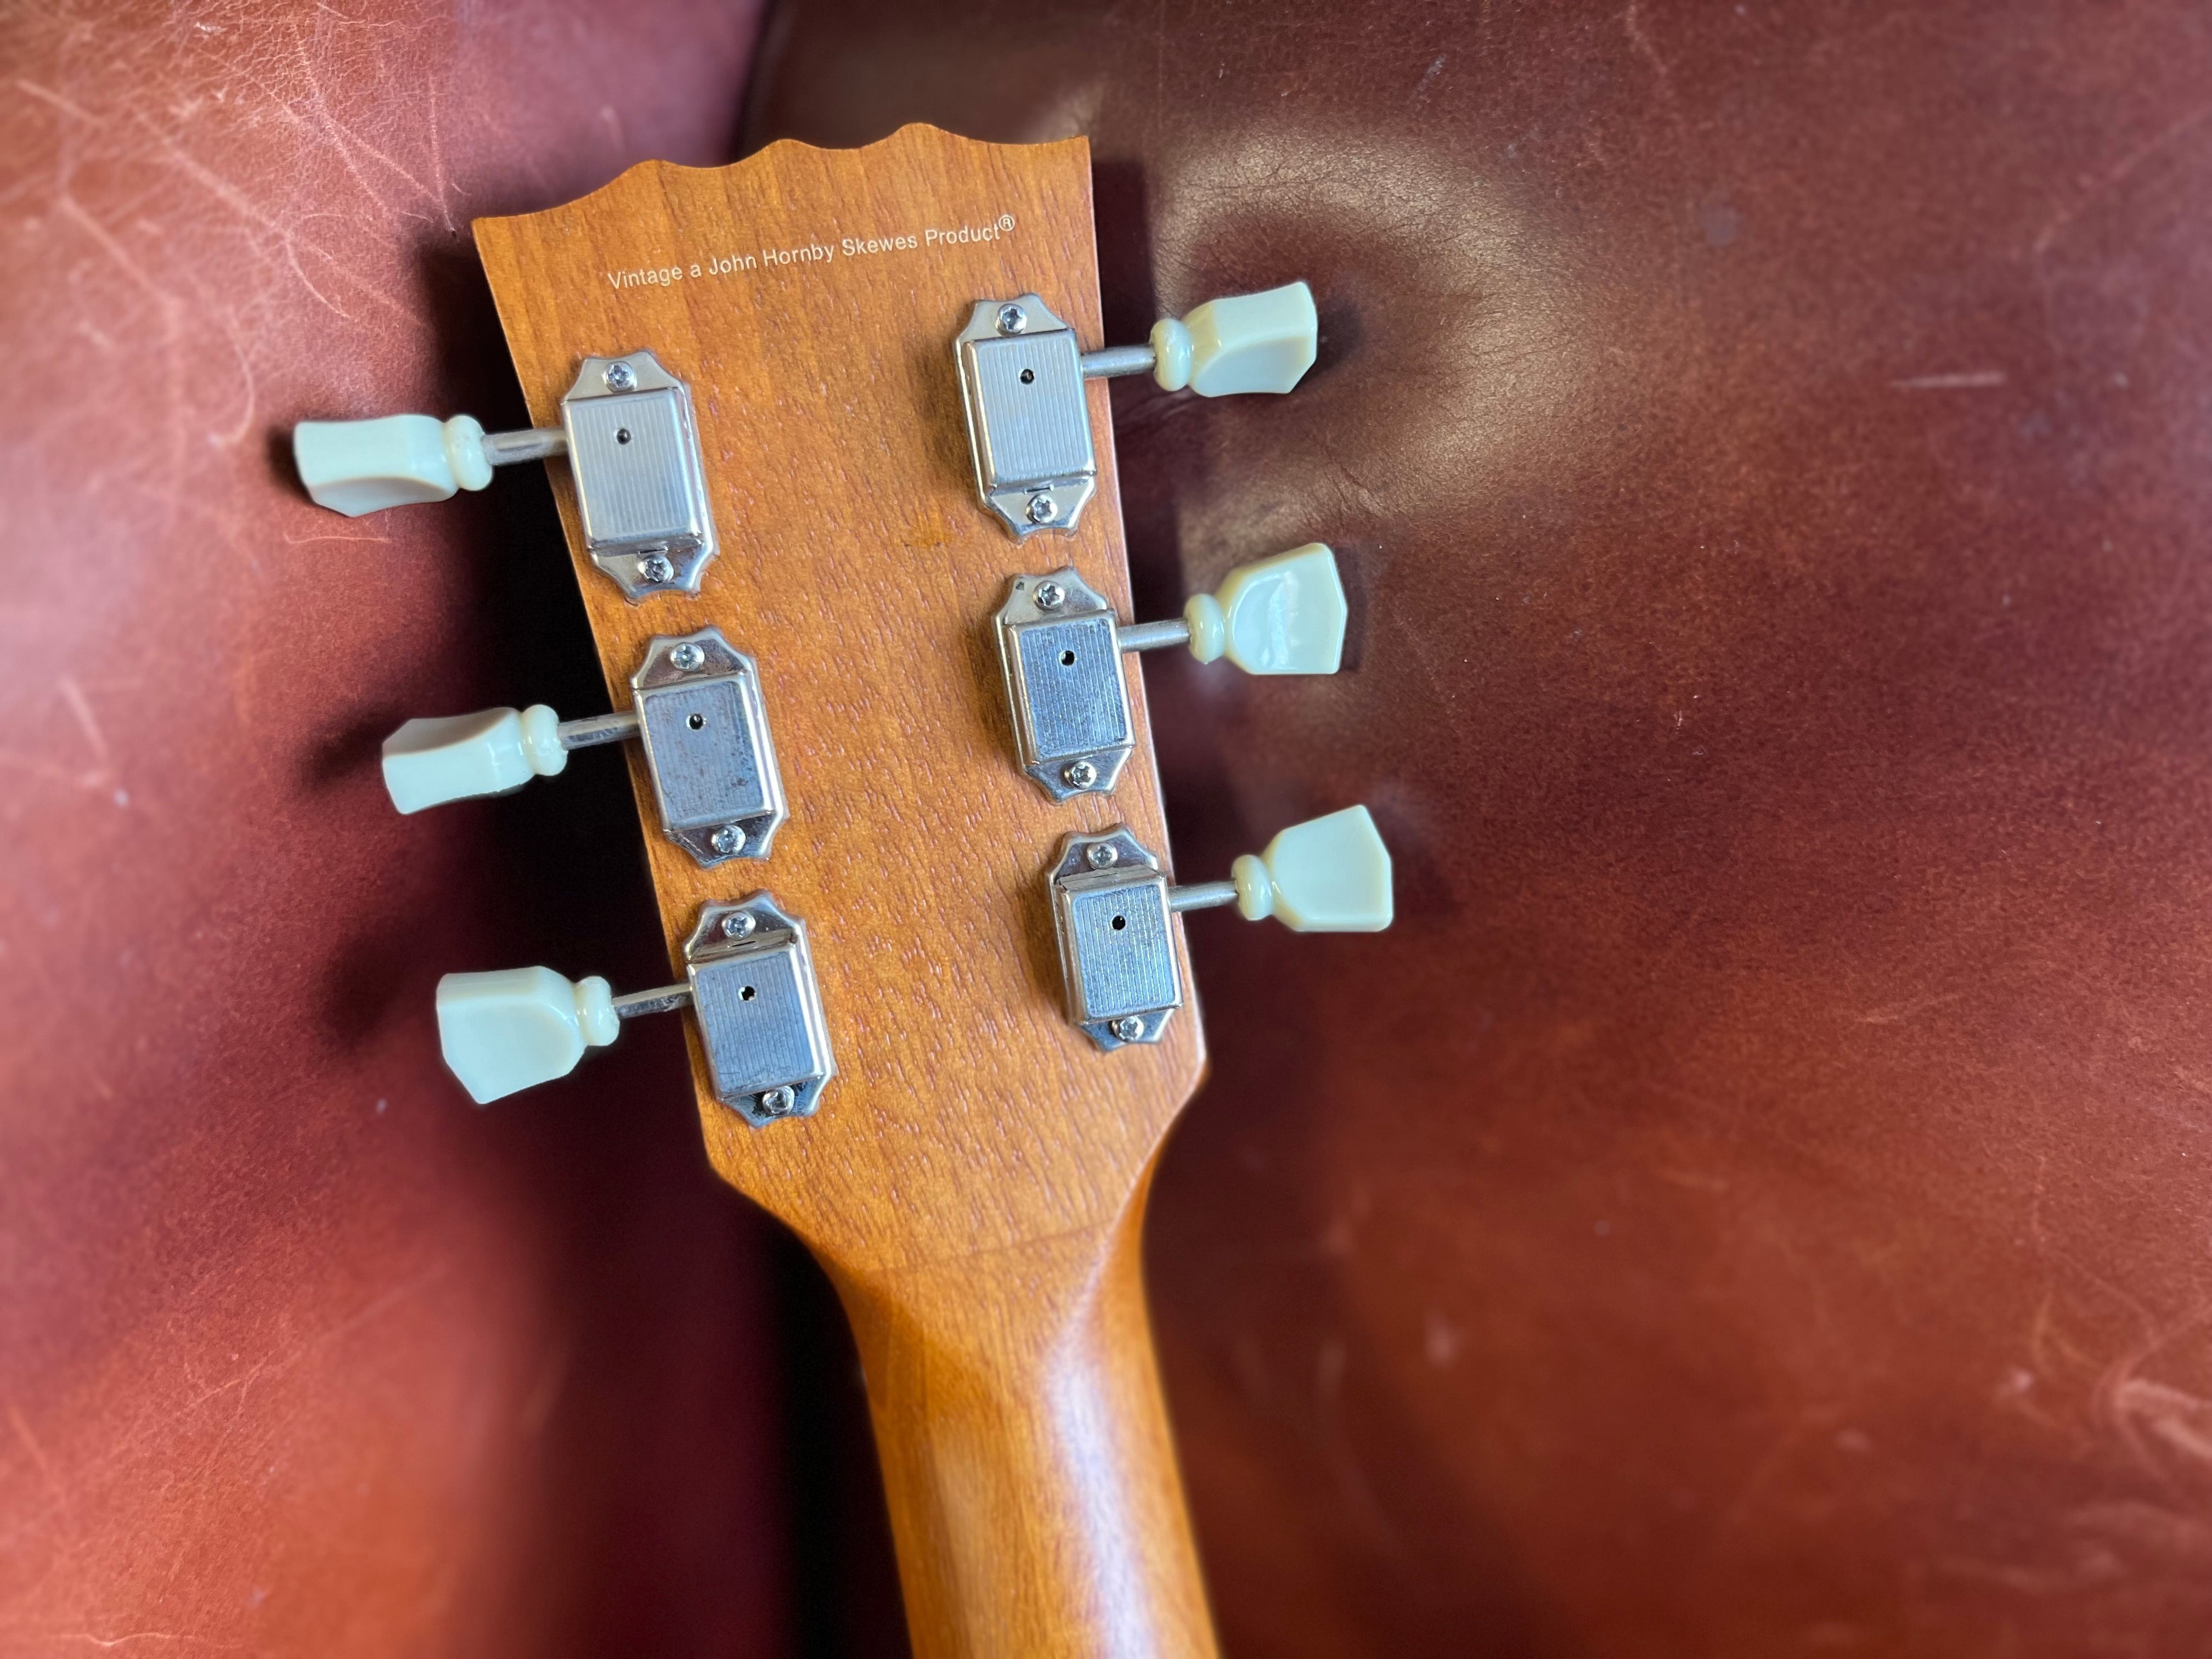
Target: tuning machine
1111,902
1061,648
749,980
632,440
1022,372
694,705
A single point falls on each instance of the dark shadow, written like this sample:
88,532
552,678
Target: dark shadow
367,982
1119,206
277,443
354,746
1338,338
844,1584
1351,570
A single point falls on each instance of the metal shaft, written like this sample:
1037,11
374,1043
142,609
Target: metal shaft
505,448
1151,637
1199,896
599,728
1118,359
664,1000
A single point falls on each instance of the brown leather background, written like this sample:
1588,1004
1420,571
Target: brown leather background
299,1355
1756,1200
1752,1203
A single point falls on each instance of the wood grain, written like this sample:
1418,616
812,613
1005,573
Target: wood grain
974,1181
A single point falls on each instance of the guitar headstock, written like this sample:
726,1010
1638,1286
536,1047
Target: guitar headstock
816,407
854,567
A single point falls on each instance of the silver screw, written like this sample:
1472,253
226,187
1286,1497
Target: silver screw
654,567
727,840
1128,1028
1102,855
774,1102
1080,775
738,925
689,658
1050,596
1043,509
1012,319
619,377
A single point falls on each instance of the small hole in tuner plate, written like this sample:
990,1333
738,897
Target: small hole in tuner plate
1120,923
1029,375
1067,659
695,721
621,434
746,993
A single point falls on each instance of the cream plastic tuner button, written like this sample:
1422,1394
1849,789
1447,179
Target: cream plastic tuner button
428,762
504,1031
1330,875
1247,343
355,467
1281,616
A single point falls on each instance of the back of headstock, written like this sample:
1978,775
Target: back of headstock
854,568
944,785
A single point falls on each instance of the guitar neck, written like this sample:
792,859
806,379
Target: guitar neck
1033,1489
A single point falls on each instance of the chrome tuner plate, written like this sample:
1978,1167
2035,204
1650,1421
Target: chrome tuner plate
759,1010
1061,653
640,482
700,715
1117,954
1029,418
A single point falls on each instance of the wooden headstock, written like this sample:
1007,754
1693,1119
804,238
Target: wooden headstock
976,1176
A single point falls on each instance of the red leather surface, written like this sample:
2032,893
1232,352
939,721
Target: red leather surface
299,1353
1755,1202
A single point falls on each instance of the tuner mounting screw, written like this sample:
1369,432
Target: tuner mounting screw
620,377
727,840
689,658
1080,775
1102,855
654,567
1012,319
1043,509
774,1102
738,925
1050,596
1128,1028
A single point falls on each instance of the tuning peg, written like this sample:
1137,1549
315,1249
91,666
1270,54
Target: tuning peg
749,979
428,762
355,467
1327,875
694,705
1243,342
1281,616
1111,902
1021,383
1060,647
513,1029
632,439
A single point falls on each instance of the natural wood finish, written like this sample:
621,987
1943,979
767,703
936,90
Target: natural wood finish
975,1179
